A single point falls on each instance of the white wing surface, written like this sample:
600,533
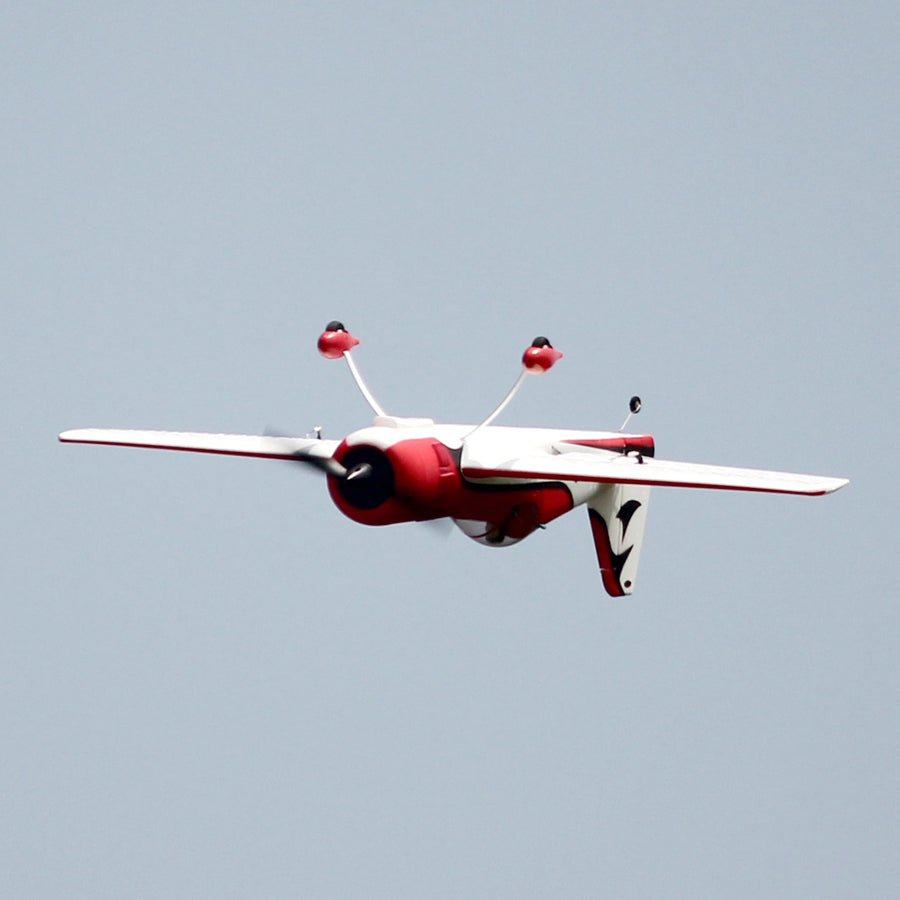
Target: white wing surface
606,468
263,446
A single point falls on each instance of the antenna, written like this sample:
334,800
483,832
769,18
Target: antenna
335,342
634,407
536,360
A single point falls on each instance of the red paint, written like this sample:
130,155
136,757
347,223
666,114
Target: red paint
642,442
334,344
425,482
540,359
605,555
428,485
514,513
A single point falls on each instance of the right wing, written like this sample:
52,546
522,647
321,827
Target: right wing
618,508
258,445
605,468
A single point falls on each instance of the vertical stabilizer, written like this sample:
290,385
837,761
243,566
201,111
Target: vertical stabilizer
618,513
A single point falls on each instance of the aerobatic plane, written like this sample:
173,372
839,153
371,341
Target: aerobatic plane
497,484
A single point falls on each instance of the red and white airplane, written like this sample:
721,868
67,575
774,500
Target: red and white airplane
497,484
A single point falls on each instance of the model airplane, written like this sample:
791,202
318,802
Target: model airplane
497,484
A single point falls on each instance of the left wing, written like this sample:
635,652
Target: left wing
605,468
258,445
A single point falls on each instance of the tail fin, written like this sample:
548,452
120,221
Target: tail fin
618,513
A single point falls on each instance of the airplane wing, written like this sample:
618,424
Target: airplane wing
605,468
263,446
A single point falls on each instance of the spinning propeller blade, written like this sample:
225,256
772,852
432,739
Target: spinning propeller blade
327,464
330,466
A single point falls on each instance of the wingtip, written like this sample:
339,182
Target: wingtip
81,435
73,435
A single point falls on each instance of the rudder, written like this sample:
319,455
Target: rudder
618,513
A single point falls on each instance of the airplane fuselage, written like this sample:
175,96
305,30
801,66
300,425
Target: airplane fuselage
415,472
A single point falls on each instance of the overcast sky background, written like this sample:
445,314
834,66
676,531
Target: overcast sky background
213,685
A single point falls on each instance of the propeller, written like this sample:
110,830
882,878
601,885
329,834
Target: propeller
356,473
330,466
365,477
327,464
311,456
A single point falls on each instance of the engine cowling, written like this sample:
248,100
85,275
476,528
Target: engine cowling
410,480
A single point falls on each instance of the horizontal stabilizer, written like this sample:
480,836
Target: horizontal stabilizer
259,445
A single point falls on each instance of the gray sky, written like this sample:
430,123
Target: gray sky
213,684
